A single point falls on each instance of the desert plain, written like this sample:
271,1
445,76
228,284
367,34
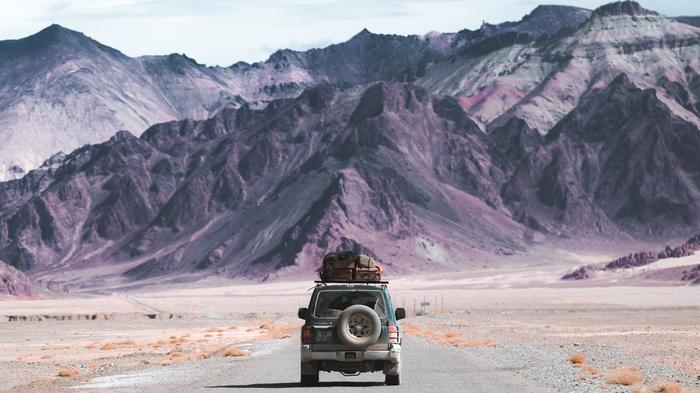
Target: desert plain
537,333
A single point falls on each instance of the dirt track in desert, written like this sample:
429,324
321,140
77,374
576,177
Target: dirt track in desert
245,338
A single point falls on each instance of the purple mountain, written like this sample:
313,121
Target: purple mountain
517,134
60,89
389,170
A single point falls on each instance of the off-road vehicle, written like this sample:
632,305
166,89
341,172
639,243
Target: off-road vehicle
351,328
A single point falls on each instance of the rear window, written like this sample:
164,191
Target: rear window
330,304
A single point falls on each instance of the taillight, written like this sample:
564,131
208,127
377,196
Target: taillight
393,334
306,335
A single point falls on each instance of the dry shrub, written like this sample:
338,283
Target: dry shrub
457,340
211,330
175,357
624,376
118,344
411,329
264,326
450,338
199,356
158,344
583,377
208,335
250,329
486,342
577,358
666,387
45,357
278,331
235,352
90,346
591,369
67,372
232,327
173,337
639,389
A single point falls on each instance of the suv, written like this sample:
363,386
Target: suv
350,328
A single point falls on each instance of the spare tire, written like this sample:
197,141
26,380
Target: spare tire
359,326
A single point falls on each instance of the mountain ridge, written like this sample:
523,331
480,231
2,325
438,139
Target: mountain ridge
83,91
182,180
329,169
507,143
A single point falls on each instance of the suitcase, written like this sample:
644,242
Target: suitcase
348,266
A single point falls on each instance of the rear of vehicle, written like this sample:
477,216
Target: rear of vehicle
350,328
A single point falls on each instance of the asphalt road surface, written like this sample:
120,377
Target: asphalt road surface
275,367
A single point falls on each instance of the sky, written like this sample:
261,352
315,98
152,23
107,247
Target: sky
220,32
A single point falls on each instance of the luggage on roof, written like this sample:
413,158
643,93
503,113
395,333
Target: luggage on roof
348,266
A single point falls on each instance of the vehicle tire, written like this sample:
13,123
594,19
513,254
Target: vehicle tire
359,326
392,380
309,380
309,374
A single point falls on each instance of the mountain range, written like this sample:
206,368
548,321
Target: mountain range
428,152
60,89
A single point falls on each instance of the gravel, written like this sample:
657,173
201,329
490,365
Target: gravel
548,366
428,367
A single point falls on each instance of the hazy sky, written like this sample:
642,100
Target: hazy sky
219,32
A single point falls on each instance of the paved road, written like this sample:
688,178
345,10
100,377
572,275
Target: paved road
275,367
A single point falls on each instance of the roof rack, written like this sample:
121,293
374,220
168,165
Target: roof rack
350,282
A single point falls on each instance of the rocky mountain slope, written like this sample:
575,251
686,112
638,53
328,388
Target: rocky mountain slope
542,80
388,170
683,267
689,20
544,20
621,161
59,89
15,283
519,136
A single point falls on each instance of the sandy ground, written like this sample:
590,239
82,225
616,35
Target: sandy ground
655,328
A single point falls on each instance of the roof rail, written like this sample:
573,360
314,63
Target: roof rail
350,282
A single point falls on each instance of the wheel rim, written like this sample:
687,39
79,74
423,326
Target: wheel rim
359,326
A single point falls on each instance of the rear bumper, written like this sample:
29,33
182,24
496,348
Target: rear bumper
393,355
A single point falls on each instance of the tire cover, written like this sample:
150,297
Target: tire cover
344,328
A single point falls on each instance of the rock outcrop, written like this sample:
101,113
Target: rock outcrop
15,283
643,258
621,162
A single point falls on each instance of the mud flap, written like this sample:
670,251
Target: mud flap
392,368
309,368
